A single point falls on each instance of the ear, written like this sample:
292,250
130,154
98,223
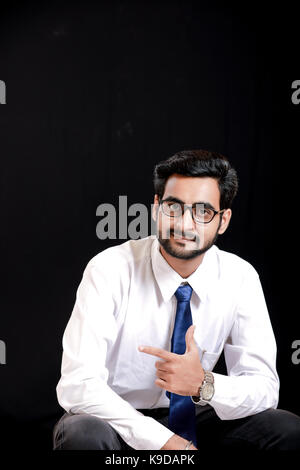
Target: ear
155,207
226,216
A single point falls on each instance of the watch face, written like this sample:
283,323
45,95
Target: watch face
207,391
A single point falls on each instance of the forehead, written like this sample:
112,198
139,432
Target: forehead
192,189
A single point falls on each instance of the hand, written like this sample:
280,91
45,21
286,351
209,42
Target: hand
178,373
177,443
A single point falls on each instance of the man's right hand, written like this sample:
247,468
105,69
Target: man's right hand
177,443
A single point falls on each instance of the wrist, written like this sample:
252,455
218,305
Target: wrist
197,385
205,391
175,443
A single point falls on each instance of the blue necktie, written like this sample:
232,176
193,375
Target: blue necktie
182,419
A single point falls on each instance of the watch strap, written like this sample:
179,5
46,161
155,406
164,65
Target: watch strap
208,378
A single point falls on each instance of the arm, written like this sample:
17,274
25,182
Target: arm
250,352
252,384
83,388
177,443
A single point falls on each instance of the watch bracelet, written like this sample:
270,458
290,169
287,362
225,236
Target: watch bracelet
188,445
208,378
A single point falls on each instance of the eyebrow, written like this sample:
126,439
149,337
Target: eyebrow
176,199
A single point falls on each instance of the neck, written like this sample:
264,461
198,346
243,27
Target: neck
184,267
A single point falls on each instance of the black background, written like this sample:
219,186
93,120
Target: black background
97,93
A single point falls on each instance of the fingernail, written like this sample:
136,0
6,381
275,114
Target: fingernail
141,348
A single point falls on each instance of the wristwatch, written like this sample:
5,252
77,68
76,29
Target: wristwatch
206,390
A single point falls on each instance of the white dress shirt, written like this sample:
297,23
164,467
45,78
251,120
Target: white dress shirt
126,299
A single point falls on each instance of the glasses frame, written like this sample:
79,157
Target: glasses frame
190,208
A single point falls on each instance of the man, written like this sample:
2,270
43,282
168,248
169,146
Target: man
152,317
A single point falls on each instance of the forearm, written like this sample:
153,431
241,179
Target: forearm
252,384
239,396
95,397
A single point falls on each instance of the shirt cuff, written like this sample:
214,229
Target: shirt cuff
149,434
224,399
223,389
240,396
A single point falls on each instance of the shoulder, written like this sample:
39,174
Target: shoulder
233,266
128,252
121,259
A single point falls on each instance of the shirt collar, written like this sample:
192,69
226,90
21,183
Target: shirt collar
169,280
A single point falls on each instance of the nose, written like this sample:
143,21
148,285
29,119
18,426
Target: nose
187,222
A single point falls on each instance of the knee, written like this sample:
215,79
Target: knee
285,429
84,432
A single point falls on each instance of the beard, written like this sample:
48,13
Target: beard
181,252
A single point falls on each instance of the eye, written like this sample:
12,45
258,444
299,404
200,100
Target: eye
203,214
174,206
201,210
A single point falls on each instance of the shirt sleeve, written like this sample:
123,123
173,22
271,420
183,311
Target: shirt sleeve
252,384
83,387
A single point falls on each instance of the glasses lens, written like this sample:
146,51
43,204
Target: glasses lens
172,209
202,214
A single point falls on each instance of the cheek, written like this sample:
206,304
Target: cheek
164,223
205,233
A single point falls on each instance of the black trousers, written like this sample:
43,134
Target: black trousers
272,429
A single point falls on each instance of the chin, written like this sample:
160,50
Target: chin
174,250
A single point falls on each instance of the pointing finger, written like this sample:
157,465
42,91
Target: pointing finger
158,352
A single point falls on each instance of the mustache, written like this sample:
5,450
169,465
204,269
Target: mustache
188,235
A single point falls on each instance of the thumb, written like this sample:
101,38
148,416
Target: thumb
189,339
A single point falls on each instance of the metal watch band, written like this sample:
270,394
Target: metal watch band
198,401
208,378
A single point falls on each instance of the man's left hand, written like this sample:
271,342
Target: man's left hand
178,373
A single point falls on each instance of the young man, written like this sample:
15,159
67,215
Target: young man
152,317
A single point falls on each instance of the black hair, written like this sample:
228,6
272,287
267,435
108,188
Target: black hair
199,163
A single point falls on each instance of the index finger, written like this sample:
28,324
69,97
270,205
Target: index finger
158,352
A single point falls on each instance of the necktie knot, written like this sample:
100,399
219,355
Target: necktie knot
184,293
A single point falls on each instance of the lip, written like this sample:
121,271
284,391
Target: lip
185,239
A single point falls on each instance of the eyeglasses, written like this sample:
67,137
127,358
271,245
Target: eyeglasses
200,213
